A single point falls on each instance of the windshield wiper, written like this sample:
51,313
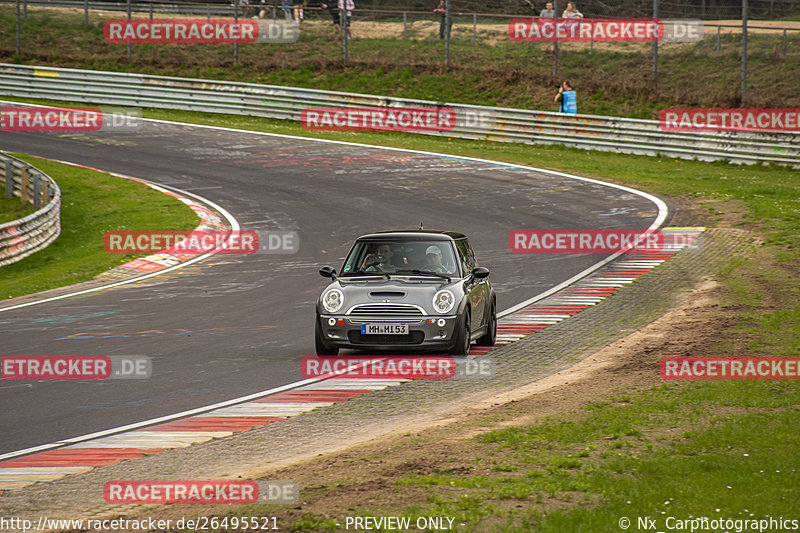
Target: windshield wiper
424,273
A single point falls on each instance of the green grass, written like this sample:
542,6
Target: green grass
13,209
92,204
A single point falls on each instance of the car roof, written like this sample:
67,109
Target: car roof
412,235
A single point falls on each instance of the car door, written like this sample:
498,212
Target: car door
483,290
473,288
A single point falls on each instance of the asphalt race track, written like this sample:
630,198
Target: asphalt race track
233,325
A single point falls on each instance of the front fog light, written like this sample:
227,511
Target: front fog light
331,321
440,322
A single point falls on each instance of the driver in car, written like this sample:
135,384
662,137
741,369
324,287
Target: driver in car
380,262
433,256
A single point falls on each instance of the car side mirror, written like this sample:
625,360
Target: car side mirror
480,272
327,272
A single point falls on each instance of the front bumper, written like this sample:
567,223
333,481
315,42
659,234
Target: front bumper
427,332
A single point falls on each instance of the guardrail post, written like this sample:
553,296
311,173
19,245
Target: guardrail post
45,192
405,25
9,177
274,12
37,191
24,194
718,30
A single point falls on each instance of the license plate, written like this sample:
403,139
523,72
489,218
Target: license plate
384,329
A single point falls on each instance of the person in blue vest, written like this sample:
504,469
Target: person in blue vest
566,99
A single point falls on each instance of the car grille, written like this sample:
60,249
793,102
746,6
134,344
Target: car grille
385,310
356,337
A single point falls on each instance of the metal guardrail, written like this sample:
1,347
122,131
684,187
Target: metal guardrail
20,238
612,134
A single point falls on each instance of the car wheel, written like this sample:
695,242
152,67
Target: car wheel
322,349
461,346
489,338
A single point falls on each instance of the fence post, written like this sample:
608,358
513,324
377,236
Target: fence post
130,46
655,51
19,32
344,29
236,21
37,191
744,50
784,41
24,195
447,24
151,11
9,177
474,28
85,12
718,30
208,12
405,25
555,42
25,9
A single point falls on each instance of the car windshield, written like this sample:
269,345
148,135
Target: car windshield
368,257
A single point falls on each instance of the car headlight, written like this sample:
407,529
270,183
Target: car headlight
443,301
333,300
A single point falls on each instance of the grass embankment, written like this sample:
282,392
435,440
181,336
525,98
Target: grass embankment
92,204
611,80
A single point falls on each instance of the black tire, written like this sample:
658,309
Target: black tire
489,338
461,346
322,349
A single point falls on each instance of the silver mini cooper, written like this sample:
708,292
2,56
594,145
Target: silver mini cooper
405,290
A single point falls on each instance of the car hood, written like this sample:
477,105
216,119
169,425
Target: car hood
400,290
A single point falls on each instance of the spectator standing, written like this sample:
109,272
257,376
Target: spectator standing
571,12
334,13
567,99
548,12
529,5
441,10
287,9
347,7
